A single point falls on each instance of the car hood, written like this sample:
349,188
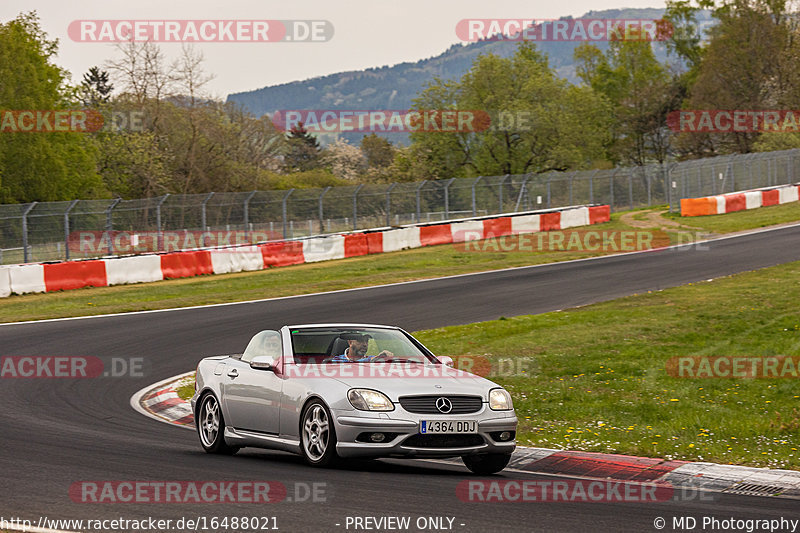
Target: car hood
454,382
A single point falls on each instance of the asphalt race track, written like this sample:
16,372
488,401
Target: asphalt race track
56,432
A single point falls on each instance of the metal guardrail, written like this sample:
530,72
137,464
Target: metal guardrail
74,229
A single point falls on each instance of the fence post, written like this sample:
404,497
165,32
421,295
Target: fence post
321,211
611,203
284,211
110,224
447,198
500,191
66,228
521,192
630,188
474,199
389,204
591,186
203,221
355,206
160,241
25,231
570,178
417,192
246,215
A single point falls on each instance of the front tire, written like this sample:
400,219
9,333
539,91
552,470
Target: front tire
317,435
211,427
486,464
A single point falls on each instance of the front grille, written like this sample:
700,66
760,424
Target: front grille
426,405
443,441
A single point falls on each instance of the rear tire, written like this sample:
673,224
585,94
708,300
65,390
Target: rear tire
486,464
211,427
317,435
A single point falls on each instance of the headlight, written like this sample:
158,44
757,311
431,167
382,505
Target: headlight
500,400
369,400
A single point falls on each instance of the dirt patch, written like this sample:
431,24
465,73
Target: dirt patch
653,219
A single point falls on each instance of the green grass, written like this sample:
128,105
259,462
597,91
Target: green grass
393,267
596,378
185,389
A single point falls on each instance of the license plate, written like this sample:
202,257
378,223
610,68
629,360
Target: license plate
448,426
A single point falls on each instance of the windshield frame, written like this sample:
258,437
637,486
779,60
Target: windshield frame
429,357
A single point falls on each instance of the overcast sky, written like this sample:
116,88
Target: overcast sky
368,33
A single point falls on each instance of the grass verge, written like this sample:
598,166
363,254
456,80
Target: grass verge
365,271
599,381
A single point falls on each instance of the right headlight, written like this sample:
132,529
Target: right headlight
369,400
500,400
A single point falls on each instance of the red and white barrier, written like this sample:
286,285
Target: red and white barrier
400,239
5,282
323,248
21,279
27,278
739,201
573,218
234,260
137,269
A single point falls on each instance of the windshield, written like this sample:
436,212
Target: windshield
354,345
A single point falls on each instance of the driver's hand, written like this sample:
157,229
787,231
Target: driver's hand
385,354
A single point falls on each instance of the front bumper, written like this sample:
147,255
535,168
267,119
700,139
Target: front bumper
405,440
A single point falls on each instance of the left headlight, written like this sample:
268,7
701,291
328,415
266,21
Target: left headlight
369,400
500,400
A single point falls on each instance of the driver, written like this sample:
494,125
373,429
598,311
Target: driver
356,352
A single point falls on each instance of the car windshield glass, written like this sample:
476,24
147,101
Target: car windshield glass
356,345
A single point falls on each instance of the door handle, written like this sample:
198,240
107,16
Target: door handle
233,372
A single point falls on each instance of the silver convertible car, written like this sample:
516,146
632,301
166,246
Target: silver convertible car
334,391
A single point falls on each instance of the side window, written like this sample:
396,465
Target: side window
267,342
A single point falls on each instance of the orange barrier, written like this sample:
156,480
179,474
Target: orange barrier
696,207
599,213
496,227
74,275
772,197
355,245
550,221
735,202
186,264
438,234
282,253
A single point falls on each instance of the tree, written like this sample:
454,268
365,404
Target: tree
749,63
344,160
378,151
302,150
95,88
540,122
641,92
39,166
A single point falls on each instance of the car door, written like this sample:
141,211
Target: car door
253,396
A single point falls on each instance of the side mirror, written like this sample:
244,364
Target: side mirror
262,362
446,360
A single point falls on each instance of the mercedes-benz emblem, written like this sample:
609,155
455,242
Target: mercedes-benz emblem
444,405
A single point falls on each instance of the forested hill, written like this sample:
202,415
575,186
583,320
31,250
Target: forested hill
394,87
